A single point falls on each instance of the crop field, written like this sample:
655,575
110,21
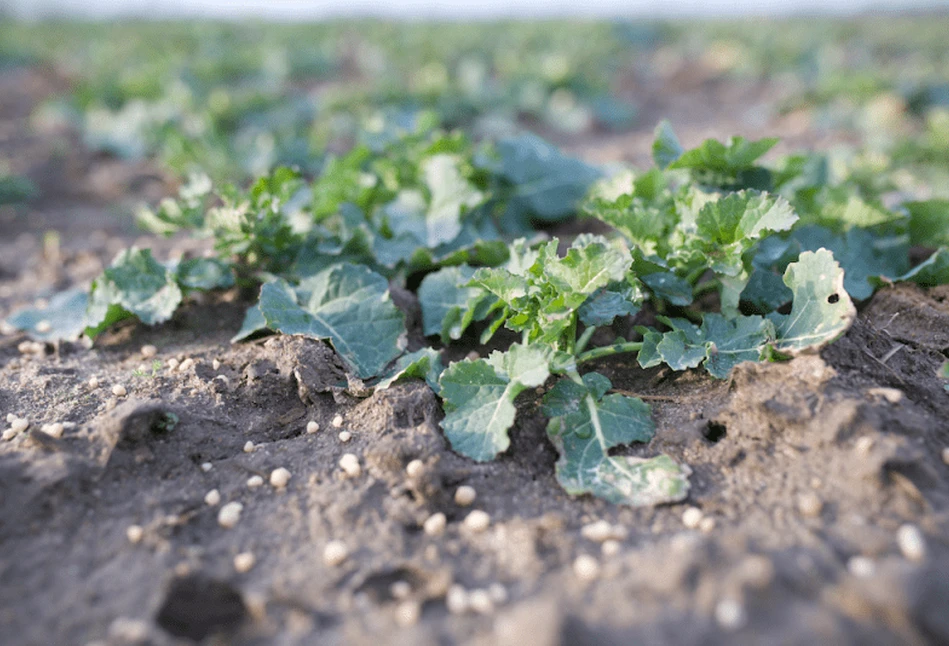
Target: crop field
517,333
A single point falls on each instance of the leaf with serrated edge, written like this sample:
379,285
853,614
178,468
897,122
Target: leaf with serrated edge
585,425
479,398
448,305
821,311
732,341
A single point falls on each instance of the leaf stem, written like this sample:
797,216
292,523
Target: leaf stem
584,339
609,350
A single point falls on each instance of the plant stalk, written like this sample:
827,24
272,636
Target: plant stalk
609,351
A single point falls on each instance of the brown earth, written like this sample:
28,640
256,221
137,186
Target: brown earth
803,473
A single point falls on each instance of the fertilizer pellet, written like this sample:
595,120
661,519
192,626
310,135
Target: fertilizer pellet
337,421
230,514
465,495
911,542
435,524
400,589
407,613
93,382
119,390
149,351
692,517
279,478
730,614
861,567
415,468
244,561
212,498
55,429
480,601
345,436
810,504
206,466
457,600
249,447
254,481
186,365
335,553
610,547
597,532
586,568
134,534
349,463
477,521
19,425
312,427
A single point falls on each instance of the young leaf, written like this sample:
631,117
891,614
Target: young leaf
736,155
606,303
585,424
928,222
63,318
204,274
448,306
666,148
821,311
345,304
479,398
451,196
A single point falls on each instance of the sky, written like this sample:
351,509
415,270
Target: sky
450,9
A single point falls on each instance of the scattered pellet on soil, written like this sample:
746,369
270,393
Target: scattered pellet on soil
56,429
465,495
610,547
254,481
345,436
279,478
212,498
229,514
707,525
173,364
945,455
249,447
890,395
400,589
149,351
407,613
337,421
861,566
435,524
692,517
19,425
349,463
863,445
134,533
730,614
244,561
415,468
477,521
119,390
586,568
215,364
312,427
206,466
186,365
11,417
810,504
44,326
597,532
498,593
480,601
335,553
911,542
126,630
8,434
93,382
456,600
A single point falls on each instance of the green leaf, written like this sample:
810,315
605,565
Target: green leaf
451,197
731,157
346,304
449,306
585,425
821,311
63,318
931,272
422,364
606,303
204,274
666,148
591,262
479,398
928,222
669,287
733,341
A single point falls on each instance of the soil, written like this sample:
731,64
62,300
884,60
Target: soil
803,472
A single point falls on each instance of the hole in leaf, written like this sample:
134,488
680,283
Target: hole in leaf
833,298
714,432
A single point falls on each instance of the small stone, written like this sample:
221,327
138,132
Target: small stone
861,567
707,525
810,504
212,498
407,613
229,514
435,524
279,478
186,365
863,445
93,382
477,521
335,553
134,533
312,427
249,447
206,466
254,481
465,495
337,421
400,589
597,532
692,517
730,614
498,593
480,601
456,600
119,390
610,547
244,561
345,436
349,463
911,542
149,351
415,468
19,425
56,429
586,568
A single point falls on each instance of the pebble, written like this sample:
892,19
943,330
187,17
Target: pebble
337,421
415,468
480,601
810,504
335,553
610,547
349,463
345,436
945,455
730,614
55,429
149,351
312,427
212,498
861,567
249,447
206,466
400,589
134,533
477,521
911,542
244,561
435,524
692,517
465,495
279,478
408,613
230,514
119,390
19,425
457,600
254,481
586,568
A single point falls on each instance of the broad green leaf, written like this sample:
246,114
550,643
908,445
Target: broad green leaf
254,321
666,148
204,274
422,364
931,272
928,222
736,155
684,346
479,398
585,424
345,304
821,311
669,287
606,303
448,306
732,341
591,262
451,197
62,318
